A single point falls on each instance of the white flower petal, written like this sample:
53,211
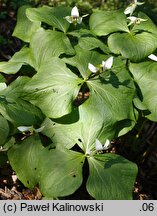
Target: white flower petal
108,63
139,3
24,128
132,18
92,68
69,19
75,12
152,57
88,152
85,15
79,20
98,145
130,9
39,129
107,144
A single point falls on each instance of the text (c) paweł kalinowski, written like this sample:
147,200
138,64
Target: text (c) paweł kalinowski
60,207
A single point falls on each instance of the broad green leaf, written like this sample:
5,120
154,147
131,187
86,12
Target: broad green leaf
46,44
9,143
14,89
91,125
89,43
111,177
4,130
25,160
104,115
105,22
82,58
81,32
53,89
24,27
63,135
15,63
58,172
132,46
17,110
145,76
147,26
53,16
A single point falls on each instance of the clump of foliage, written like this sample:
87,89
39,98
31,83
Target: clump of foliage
80,85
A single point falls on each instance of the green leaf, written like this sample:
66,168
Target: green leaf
105,22
53,89
53,16
61,172
57,171
111,177
17,110
82,58
147,26
145,76
15,63
132,46
20,112
46,44
4,130
101,115
25,159
89,43
24,27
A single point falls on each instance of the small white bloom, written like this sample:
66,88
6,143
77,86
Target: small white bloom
138,3
152,57
39,129
131,8
24,129
99,146
135,20
75,12
75,16
107,64
88,152
92,68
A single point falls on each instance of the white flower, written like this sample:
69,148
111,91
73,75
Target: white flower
99,146
25,128
38,130
135,20
153,57
75,17
107,64
92,68
31,129
75,12
130,9
88,152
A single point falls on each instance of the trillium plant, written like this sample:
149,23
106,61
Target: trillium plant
75,17
82,82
